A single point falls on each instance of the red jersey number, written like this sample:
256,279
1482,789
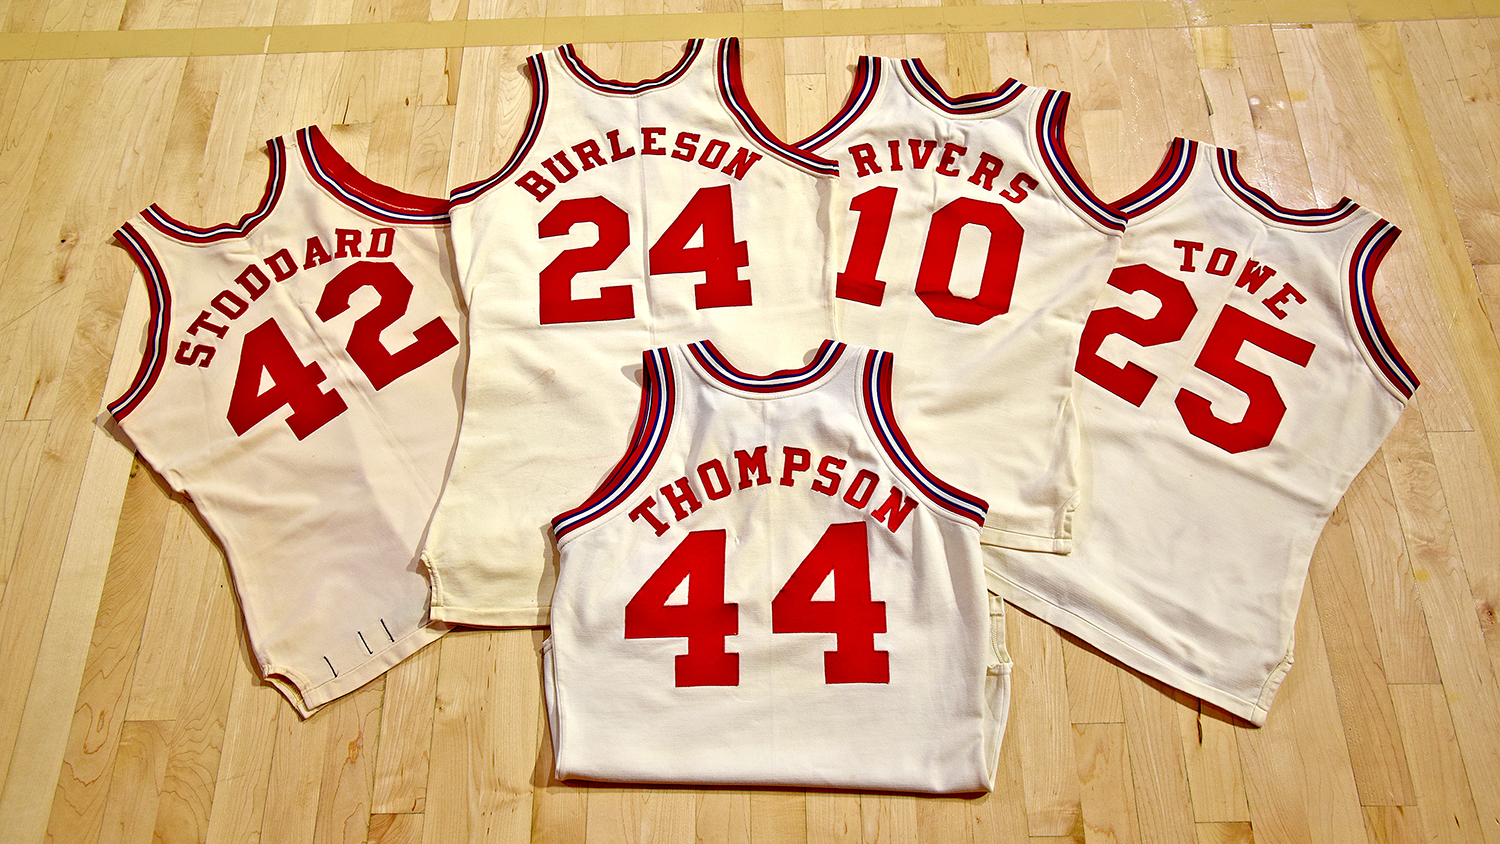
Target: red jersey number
1219,357
934,283
266,354
706,620
708,216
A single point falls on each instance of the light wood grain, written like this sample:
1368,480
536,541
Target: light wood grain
131,711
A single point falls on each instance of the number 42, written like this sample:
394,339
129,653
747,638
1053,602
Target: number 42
266,350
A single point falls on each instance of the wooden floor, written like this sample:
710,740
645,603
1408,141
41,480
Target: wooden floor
130,711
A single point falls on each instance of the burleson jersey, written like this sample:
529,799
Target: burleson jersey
769,588
972,250
301,383
631,215
1235,379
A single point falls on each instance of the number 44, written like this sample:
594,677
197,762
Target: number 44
706,620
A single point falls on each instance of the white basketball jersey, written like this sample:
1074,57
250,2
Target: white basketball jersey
770,589
1235,379
301,382
972,250
630,216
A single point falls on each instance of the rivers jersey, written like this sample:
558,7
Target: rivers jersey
630,216
973,250
301,382
1235,379
769,588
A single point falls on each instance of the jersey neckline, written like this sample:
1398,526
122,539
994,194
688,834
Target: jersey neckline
716,369
334,174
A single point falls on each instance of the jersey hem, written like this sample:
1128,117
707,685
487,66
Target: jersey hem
1025,541
470,617
310,699
1253,711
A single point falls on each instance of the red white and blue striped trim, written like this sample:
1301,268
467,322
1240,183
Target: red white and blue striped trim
359,192
653,423
1182,157
1263,204
540,94
275,182
155,356
868,72
966,105
574,65
1368,254
732,92
716,367
1054,150
876,395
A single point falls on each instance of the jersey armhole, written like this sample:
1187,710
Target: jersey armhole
540,93
653,423
1379,351
157,327
875,400
1048,136
165,223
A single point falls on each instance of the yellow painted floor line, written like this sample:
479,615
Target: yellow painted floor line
1129,14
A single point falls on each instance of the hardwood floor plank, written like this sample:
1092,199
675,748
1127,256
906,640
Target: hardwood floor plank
1469,480
402,761
167,639
1451,611
79,803
69,531
1108,794
1298,777
833,818
1474,353
21,452
243,782
1374,739
1158,770
348,765
1211,756
1038,729
139,766
1438,773
484,738
1381,548
196,742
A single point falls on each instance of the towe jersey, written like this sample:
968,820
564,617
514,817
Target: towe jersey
631,215
972,251
1235,378
769,588
300,382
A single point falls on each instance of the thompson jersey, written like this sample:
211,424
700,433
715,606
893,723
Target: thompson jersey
301,383
1235,379
630,216
973,251
769,588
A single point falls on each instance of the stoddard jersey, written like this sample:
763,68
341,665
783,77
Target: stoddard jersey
631,215
769,588
300,382
972,250
1235,379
